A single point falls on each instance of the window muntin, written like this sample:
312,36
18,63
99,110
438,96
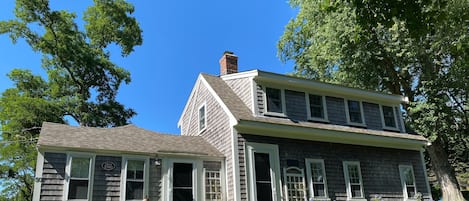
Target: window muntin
408,181
202,118
355,114
317,179
389,117
213,188
135,180
274,100
79,182
316,107
353,179
294,184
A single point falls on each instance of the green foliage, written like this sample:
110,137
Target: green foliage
81,83
419,49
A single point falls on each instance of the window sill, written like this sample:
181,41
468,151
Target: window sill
391,129
318,120
319,199
357,125
356,199
275,114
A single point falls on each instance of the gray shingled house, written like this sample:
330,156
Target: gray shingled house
250,135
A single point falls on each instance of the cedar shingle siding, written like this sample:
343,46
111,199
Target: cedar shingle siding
107,183
379,166
53,176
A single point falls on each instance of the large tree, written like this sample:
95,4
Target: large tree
418,49
82,82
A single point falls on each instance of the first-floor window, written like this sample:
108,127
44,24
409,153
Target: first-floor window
183,182
408,181
295,184
213,188
353,179
134,182
316,178
79,171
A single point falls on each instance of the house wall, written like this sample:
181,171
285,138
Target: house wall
242,87
379,166
53,176
296,108
218,131
106,184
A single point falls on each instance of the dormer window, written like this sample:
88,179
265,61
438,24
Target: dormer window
274,99
389,117
355,113
316,107
202,118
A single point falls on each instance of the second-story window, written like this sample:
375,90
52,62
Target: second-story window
202,118
274,100
355,115
317,107
389,117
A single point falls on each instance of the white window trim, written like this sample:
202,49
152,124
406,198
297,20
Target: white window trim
272,150
146,175
309,175
282,97
222,182
324,107
347,181
197,167
68,167
302,174
204,105
347,113
382,118
404,186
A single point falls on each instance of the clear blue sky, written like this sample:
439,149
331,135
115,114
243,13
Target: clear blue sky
180,40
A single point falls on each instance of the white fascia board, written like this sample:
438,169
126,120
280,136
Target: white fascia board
328,88
194,89
245,74
232,118
324,135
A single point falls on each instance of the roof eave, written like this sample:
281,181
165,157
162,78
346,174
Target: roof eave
326,135
291,81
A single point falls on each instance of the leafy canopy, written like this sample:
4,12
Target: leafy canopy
82,82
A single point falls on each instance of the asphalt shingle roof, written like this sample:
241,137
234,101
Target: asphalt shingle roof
125,139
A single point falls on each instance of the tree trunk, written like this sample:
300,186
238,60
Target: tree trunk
444,172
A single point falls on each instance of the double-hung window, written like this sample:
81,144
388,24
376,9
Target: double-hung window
133,183
275,101
202,118
355,113
353,180
408,181
389,117
79,177
316,107
316,179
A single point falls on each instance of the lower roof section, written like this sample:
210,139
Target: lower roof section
333,133
127,139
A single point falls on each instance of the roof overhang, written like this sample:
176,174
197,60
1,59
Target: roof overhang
328,88
324,135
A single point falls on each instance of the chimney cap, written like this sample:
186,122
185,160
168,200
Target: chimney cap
228,52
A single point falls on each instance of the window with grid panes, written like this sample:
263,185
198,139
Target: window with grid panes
354,111
135,180
389,117
316,106
353,179
213,188
274,100
408,182
317,178
295,184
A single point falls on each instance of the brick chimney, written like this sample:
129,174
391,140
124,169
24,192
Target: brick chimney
228,63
